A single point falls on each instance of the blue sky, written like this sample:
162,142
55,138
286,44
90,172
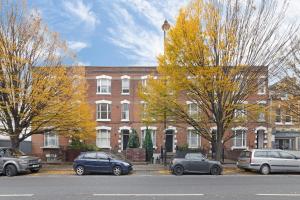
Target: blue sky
115,32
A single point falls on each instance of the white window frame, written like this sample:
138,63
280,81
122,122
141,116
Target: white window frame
243,139
261,104
143,108
288,114
262,88
280,115
53,137
189,139
127,113
123,79
153,130
144,81
100,80
193,112
99,137
98,110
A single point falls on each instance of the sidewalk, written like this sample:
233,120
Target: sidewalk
148,169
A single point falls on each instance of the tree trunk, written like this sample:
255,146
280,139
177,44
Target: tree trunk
15,142
219,144
219,150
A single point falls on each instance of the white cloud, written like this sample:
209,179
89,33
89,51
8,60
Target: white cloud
293,12
139,42
80,63
77,45
82,11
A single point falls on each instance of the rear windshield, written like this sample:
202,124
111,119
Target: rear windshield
245,154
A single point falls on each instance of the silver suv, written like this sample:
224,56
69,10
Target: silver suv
14,161
266,161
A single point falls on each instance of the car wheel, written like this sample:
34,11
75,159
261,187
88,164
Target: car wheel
265,170
215,170
117,171
35,170
80,170
11,170
178,170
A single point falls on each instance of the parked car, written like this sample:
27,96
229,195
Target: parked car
195,163
13,161
100,162
267,161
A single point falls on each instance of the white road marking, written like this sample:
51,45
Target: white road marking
147,195
16,195
282,195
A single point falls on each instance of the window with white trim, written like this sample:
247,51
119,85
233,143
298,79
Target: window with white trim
125,85
240,112
143,109
104,85
278,115
125,112
103,138
50,139
103,111
288,117
240,138
193,139
193,110
262,113
153,136
261,85
144,82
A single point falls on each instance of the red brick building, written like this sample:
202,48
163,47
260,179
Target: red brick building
113,96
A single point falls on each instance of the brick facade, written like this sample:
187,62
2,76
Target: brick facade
117,128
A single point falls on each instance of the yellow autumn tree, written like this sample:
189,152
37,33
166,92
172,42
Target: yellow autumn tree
38,93
213,57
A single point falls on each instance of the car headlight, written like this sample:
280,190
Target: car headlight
24,162
126,164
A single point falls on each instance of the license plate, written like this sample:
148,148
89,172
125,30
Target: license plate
35,165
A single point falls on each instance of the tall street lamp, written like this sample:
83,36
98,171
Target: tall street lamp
165,27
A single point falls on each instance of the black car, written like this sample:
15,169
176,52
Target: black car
100,162
195,163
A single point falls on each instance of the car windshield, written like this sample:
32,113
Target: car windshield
13,152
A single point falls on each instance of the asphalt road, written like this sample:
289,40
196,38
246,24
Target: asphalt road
188,187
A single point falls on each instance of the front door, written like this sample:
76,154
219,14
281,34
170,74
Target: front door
169,141
125,138
260,139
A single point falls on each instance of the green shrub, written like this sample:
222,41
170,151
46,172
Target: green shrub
133,141
148,145
76,144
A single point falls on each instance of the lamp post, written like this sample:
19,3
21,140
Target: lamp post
165,27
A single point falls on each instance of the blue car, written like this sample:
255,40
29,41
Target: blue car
100,162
